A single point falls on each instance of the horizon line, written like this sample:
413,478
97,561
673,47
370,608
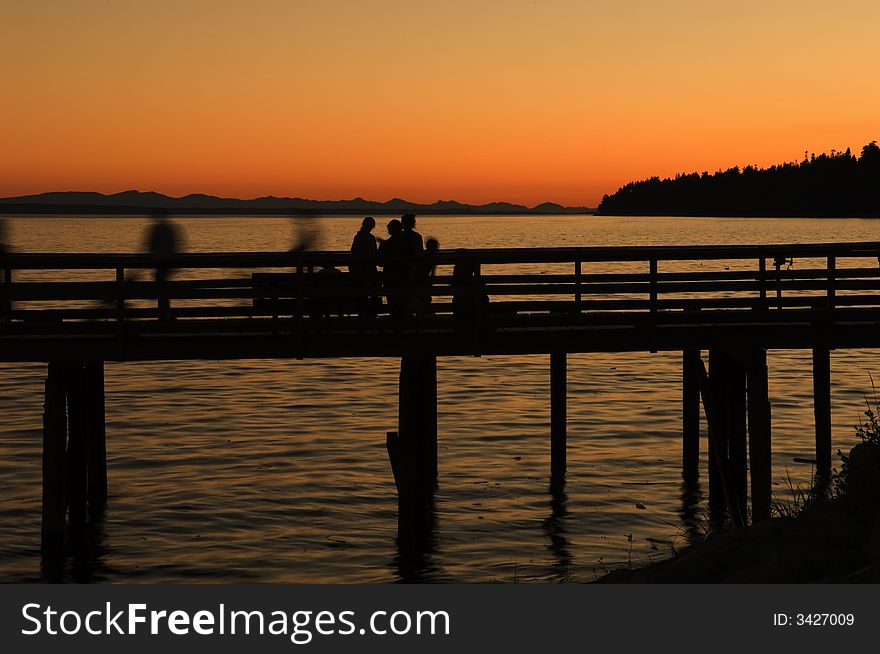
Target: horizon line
293,198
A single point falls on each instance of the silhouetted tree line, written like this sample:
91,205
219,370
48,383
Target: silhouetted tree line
836,184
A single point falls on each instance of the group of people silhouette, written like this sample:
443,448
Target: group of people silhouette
407,263
405,259
405,279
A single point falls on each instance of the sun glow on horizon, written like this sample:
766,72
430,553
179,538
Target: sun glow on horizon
517,100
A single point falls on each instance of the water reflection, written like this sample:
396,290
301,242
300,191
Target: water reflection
690,511
82,560
554,527
414,560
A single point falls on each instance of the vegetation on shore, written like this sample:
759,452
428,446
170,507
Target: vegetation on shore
835,184
830,533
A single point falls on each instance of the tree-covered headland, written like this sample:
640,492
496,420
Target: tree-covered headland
835,184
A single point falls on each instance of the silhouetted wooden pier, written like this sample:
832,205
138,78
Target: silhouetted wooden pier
76,311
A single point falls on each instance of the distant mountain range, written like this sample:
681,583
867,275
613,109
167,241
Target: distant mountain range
137,202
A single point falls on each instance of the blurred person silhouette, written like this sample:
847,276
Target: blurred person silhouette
164,241
306,237
306,233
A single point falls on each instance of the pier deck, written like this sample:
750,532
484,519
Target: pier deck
77,311
102,307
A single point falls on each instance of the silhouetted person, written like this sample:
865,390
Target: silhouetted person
163,242
411,237
395,273
363,246
411,247
364,272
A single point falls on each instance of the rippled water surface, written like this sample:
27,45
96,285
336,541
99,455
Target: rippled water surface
272,470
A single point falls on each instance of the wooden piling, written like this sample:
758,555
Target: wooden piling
717,447
400,454
735,411
760,461
429,413
417,410
413,448
54,457
822,410
96,443
558,417
690,417
77,442
721,494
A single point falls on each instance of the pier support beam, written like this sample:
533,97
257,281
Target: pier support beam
690,417
558,417
74,449
77,444
54,460
717,434
759,436
822,411
96,445
735,399
724,400
413,450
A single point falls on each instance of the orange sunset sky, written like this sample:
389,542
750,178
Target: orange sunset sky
474,100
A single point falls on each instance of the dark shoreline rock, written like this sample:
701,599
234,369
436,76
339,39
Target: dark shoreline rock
831,542
826,545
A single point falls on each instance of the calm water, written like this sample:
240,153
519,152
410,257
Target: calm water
276,471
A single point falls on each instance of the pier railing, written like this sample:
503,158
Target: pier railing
76,311
478,291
